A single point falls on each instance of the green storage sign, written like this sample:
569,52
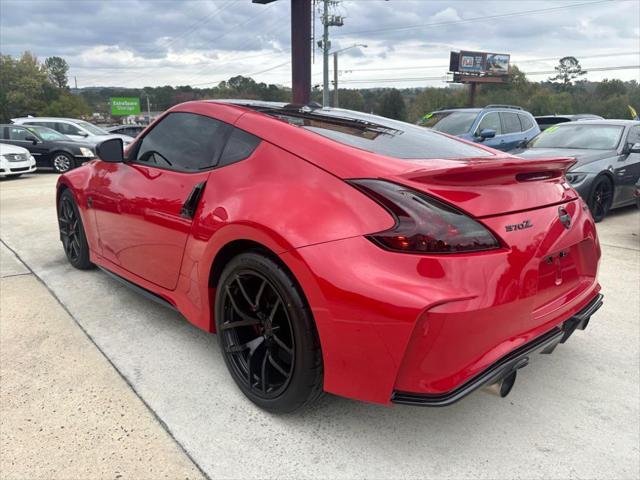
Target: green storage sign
125,106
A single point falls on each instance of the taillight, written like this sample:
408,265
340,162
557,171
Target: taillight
424,224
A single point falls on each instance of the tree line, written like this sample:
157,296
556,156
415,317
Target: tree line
31,87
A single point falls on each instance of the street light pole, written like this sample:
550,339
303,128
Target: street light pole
335,71
325,55
335,79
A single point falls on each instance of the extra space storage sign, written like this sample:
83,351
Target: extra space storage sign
125,106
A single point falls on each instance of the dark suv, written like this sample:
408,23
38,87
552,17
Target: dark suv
503,127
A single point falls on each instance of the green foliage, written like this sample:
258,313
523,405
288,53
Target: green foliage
67,105
568,70
30,88
57,69
24,84
392,105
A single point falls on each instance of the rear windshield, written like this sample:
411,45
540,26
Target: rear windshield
453,123
576,135
380,135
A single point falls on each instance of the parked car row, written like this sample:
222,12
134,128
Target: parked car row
50,148
73,129
607,152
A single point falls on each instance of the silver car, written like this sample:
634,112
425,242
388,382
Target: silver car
74,129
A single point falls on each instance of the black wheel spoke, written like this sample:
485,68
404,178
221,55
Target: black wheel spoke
237,310
274,309
256,303
241,323
263,372
282,345
275,365
244,292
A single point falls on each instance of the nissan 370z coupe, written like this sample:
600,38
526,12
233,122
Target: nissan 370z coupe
338,251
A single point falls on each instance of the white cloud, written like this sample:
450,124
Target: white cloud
157,42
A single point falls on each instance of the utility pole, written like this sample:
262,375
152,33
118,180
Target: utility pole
335,70
325,55
300,49
75,79
327,21
335,79
148,110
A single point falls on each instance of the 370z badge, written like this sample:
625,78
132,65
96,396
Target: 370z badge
519,226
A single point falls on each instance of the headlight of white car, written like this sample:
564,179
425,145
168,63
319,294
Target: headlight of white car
86,152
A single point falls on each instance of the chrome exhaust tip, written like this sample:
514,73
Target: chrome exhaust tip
502,387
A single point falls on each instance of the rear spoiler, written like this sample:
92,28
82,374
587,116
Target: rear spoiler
492,171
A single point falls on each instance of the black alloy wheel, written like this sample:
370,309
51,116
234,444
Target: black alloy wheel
266,334
72,233
62,162
601,198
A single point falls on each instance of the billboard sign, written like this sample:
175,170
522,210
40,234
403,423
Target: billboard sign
480,63
497,63
125,106
472,62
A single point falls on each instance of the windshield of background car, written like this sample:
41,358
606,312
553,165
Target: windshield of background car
47,134
89,127
453,123
576,135
383,136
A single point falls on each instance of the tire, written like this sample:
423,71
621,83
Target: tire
267,335
62,162
72,235
600,198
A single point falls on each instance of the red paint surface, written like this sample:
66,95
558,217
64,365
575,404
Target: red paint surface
386,321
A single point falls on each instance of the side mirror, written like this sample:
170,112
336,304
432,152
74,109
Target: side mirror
634,147
31,139
83,134
487,133
111,150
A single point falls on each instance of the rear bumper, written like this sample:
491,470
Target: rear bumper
511,362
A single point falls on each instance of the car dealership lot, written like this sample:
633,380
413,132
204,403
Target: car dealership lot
571,414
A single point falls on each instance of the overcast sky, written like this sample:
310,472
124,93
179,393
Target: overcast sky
156,42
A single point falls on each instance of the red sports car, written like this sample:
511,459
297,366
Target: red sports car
337,251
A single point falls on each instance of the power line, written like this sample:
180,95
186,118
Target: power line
474,19
244,75
518,62
442,77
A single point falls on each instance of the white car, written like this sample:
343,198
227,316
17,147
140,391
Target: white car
74,129
14,161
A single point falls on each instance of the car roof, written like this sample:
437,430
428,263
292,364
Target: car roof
620,122
48,118
581,116
495,107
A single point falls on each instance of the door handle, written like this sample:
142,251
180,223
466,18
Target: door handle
191,203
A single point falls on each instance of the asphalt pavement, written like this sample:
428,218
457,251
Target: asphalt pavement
573,414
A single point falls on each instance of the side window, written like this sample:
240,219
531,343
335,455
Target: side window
240,145
490,121
184,142
526,122
634,135
17,133
510,122
67,128
4,133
